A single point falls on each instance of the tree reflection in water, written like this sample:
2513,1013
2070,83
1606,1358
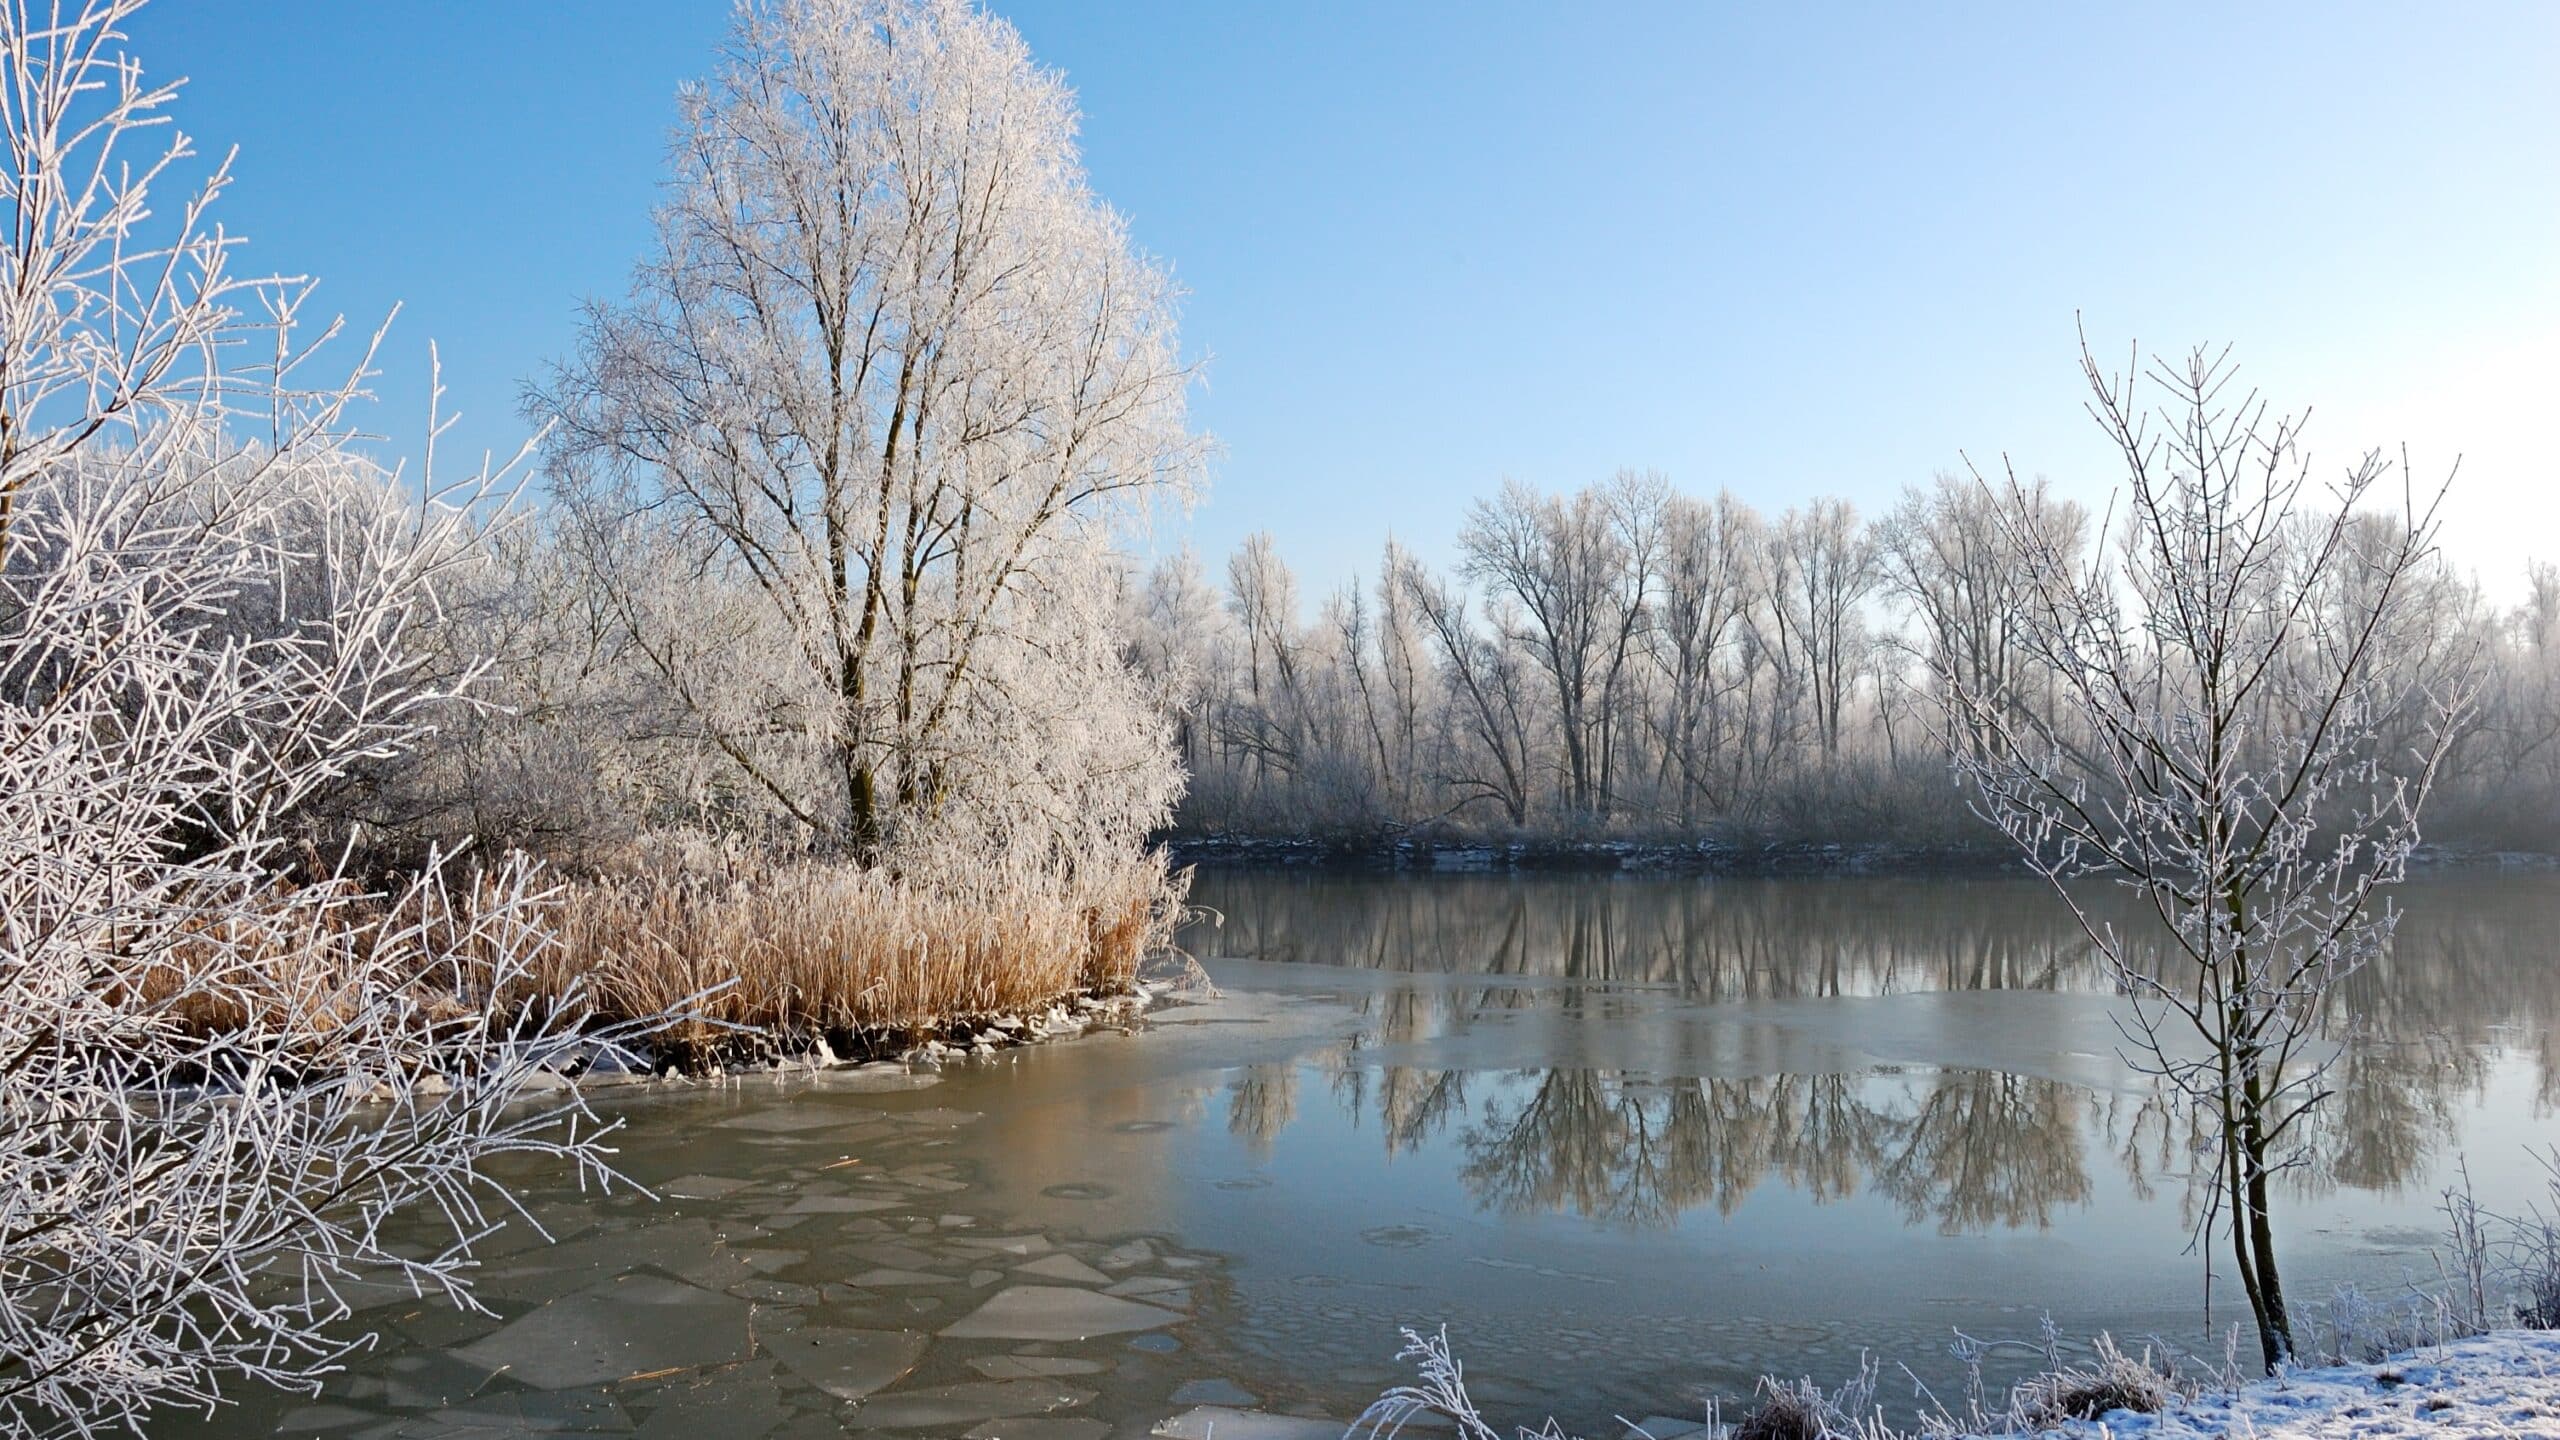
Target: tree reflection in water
1964,1148
1967,1149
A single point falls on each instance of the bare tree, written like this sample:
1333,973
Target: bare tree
2219,746
223,1066
1634,503
1271,726
888,374
1636,658
1579,569
1488,679
1405,675
1705,591
1346,616
1947,555
1181,636
2526,709
1821,566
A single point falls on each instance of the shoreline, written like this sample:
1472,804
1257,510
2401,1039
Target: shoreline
922,1045
1362,855
2499,1383
1384,855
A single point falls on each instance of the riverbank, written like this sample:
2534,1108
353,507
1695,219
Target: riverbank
2494,1386
1392,854
693,964
917,1047
2502,1384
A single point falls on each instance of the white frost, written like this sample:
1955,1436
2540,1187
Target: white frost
2501,1385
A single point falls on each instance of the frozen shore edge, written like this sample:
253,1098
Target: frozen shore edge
911,1052
2502,1384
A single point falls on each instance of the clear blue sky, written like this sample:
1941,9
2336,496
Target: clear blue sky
1787,249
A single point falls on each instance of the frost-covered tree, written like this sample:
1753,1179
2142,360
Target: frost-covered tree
2228,741
1406,682
1181,636
1706,589
1633,657
1821,564
1579,570
1270,725
1491,715
224,1065
1945,553
885,381
2516,761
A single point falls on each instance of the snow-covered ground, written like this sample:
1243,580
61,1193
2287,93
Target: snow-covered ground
2505,1384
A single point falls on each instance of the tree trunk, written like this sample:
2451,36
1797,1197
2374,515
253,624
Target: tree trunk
2275,1326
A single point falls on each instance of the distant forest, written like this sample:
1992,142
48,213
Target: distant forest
1634,661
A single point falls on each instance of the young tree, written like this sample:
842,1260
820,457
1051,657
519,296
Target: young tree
2218,745
889,374
223,1065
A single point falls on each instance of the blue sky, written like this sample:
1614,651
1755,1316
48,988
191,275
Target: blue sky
1783,249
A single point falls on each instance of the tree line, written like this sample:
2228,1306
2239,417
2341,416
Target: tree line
1634,659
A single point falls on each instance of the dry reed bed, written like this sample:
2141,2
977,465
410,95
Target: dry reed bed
759,958
768,957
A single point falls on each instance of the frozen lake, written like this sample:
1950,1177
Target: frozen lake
1634,1141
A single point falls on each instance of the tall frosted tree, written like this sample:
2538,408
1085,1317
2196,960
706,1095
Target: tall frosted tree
885,381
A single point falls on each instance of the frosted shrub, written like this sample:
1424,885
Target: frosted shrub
1790,1410
2499,1268
1437,1398
224,1064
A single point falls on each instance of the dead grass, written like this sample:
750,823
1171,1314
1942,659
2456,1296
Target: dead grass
761,957
792,952
2111,1381
1786,1411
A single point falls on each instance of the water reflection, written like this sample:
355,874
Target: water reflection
1963,1147
1716,941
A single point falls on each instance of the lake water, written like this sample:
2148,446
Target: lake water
1634,1141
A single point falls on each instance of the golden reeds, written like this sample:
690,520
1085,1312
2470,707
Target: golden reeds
760,956
792,951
